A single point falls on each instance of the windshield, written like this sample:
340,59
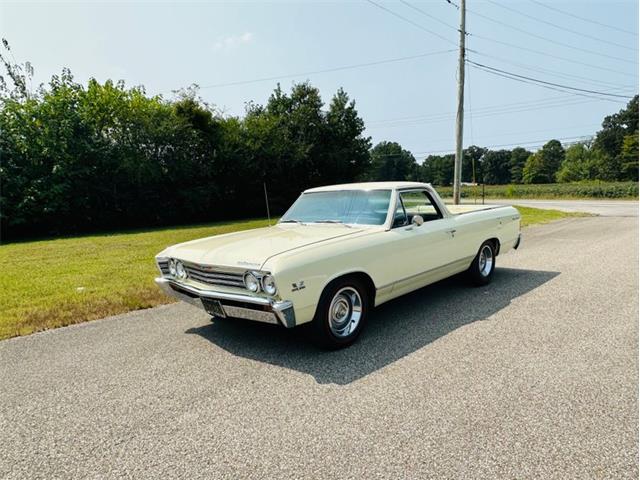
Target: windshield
364,207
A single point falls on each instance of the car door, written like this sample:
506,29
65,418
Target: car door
421,253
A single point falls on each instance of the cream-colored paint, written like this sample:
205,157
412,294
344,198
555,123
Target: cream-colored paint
397,260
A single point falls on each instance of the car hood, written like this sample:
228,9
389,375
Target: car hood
252,248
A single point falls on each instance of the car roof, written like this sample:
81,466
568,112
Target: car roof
368,186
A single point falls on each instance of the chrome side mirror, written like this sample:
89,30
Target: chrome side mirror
417,220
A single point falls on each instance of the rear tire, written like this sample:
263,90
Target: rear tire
481,270
341,314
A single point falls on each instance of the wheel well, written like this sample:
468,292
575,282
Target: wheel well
364,278
496,245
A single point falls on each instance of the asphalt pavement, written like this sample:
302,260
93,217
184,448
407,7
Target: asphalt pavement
533,376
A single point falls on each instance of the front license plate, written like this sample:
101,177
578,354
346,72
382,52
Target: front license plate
213,307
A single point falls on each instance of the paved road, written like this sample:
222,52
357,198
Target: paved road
534,376
607,208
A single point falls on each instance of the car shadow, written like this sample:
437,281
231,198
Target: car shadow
395,329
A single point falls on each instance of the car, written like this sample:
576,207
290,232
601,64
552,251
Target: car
338,252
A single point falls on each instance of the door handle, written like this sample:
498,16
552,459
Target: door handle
452,232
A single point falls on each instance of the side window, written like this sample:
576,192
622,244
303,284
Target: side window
419,202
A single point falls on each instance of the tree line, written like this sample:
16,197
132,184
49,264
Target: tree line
611,156
101,156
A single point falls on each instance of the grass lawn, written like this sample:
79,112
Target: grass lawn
52,283
533,216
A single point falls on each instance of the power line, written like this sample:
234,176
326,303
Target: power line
391,12
561,27
489,39
552,72
584,19
478,113
524,77
429,15
487,109
559,100
450,117
540,37
453,4
539,85
517,105
550,55
328,70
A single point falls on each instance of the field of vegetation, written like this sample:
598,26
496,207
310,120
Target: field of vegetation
622,190
52,283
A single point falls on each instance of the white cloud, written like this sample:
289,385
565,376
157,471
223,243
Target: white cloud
233,41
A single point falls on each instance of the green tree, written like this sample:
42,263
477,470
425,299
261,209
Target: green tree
610,142
348,150
615,127
534,171
580,163
629,156
472,164
20,75
519,157
437,169
541,167
496,166
389,161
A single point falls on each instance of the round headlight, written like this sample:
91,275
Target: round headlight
251,282
180,271
269,285
172,267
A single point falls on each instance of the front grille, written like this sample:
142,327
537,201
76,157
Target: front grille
215,276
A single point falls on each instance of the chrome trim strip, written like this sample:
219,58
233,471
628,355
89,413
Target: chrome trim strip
462,260
256,315
215,269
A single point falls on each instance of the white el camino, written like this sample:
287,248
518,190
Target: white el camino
338,252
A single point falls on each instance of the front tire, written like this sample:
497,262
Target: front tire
342,313
481,270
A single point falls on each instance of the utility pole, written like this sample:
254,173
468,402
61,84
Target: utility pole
457,168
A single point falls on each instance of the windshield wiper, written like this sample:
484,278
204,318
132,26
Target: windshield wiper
291,220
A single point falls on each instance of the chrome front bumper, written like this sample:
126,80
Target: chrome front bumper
234,305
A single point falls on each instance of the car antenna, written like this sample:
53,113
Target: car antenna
266,200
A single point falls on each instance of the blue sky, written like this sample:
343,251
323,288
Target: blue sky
165,46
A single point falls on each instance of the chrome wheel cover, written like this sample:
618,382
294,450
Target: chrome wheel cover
345,312
485,261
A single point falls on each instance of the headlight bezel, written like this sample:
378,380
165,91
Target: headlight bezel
266,280
251,277
181,271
